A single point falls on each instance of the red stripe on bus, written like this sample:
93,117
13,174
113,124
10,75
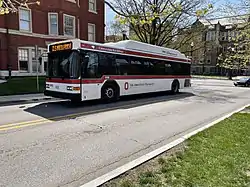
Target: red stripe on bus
114,77
127,52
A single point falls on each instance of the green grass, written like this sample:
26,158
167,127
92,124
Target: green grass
23,85
219,156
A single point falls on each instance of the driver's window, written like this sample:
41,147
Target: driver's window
92,67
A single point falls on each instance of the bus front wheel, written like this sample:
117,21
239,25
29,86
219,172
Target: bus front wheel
175,87
109,93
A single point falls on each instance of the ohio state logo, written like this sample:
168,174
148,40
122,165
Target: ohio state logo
126,85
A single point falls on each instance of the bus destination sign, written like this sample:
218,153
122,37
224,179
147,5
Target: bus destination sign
61,47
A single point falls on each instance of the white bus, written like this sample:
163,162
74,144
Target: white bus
79,70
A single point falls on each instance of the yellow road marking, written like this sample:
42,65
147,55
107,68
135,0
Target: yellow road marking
49,120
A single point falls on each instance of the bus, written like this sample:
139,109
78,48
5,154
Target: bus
80,70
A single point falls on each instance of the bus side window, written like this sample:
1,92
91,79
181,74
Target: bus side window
92,67
159,67
122,64
136,66
168,68
107,64
148,67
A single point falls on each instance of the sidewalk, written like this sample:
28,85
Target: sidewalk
23,98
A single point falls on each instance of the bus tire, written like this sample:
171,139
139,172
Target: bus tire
175,87
110,92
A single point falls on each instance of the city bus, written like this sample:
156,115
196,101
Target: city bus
81,70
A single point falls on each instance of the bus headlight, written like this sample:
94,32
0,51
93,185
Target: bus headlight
49,85
70,88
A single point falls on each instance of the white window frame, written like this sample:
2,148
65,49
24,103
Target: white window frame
25,9
49,24
75,1
95,7
74,25
23,48
91,24
72,1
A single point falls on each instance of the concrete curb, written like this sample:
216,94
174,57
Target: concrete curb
122,169
24,100
210,78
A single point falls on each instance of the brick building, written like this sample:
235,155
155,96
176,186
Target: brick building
216,39
53,20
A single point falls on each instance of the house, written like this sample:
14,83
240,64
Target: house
216,39
40,25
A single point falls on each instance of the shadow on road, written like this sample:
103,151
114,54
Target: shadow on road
60,110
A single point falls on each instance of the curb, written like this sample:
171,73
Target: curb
124,168
25,100
209,78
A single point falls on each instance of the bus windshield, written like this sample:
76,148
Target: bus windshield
64,64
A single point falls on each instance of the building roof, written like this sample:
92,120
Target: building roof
225,21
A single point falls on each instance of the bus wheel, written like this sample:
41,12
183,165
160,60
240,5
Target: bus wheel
175,87
109,93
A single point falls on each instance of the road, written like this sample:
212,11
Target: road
39,149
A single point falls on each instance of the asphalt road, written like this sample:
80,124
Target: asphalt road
39,149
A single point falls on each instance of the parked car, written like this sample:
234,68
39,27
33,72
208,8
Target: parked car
243,82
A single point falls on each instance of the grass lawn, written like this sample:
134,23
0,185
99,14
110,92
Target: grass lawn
23,85
216,157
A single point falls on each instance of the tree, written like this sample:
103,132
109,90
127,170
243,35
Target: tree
158,22
11,6
114,31
194,35
114,28
237,55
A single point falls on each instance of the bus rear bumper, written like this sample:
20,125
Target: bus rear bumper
71,96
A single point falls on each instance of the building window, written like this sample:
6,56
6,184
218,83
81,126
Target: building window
53,23
91,32
34,54
92,5
25,19
35,63
69,25
23,58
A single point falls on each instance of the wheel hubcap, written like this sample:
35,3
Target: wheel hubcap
110,93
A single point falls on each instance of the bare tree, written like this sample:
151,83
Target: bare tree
11,6
114,28
158,22
114,31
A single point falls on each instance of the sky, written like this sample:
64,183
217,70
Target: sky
110,15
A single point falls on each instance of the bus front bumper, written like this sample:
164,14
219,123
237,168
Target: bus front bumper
61,95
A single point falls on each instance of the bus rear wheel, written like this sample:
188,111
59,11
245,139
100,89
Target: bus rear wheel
109,93
175,87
